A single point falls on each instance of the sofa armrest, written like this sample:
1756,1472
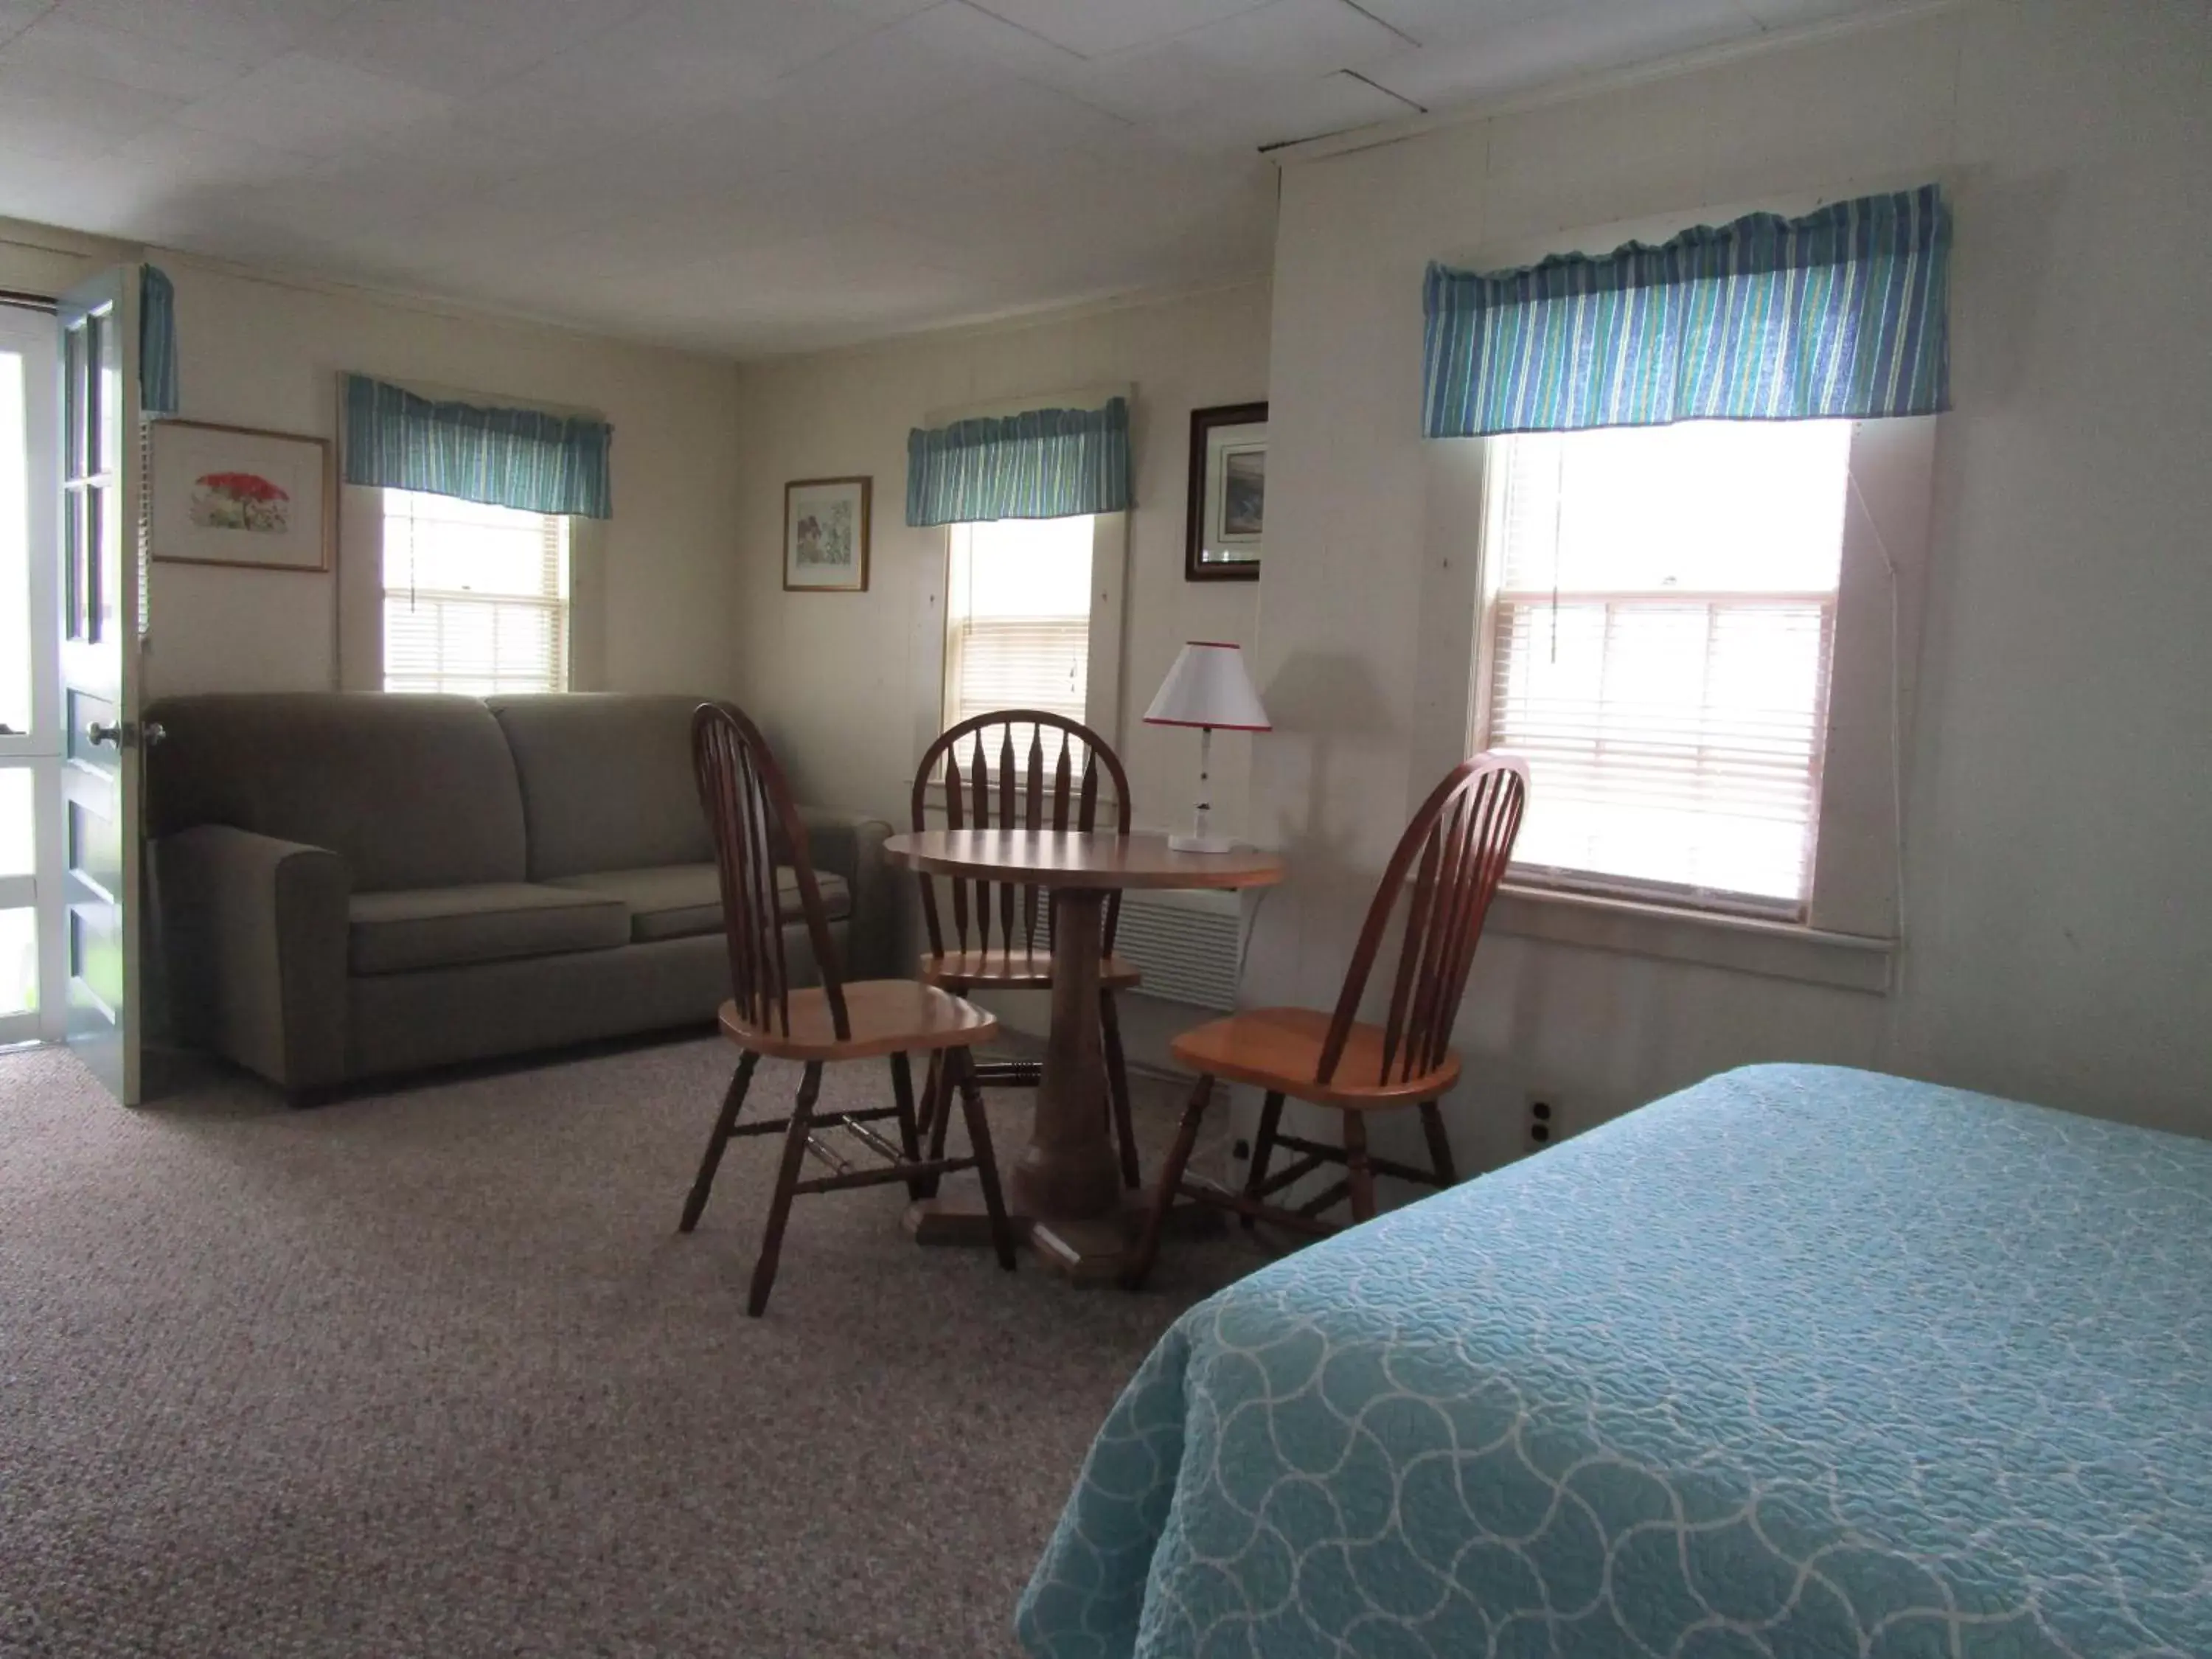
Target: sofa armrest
254,933
851,844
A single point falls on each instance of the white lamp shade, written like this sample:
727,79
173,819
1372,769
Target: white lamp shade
1208,686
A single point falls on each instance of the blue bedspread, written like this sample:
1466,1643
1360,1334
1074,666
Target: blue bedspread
1799,1362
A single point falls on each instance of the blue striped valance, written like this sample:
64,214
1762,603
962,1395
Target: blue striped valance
518,457
157,342
1044,463
1841,314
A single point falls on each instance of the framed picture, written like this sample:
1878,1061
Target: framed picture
825,536
237,496
1228,508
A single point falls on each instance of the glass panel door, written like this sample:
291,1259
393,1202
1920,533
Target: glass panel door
31,958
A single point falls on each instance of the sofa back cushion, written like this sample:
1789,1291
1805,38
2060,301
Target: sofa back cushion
606,782
412,790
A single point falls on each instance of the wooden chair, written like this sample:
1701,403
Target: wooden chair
756,827
1035,786
1454,851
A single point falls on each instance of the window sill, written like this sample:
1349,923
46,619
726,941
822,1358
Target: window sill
1746,945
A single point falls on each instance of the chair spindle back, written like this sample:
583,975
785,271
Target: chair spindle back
995,779
1456,848
749,806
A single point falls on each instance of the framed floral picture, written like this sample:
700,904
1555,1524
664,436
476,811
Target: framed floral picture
237,496
825,535
1226,516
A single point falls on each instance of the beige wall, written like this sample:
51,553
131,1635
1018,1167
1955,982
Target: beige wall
843,682
262,352
2061,775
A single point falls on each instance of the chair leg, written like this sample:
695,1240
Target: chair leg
786,1176
732,1100
1358,1175
961,1068
944,1068
1263,1150
1440,1152
917,1186
1117,1089
1156,1219
932,1096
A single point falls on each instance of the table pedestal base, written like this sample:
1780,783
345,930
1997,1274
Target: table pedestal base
1093,1252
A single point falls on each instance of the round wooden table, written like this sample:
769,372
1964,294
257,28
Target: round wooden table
1066,1189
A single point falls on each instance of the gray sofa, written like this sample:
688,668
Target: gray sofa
349,885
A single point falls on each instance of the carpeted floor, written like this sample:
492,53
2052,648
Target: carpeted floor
432,1373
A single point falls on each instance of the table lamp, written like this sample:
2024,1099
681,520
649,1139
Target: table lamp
1207,688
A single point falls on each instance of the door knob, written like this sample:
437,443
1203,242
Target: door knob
125,735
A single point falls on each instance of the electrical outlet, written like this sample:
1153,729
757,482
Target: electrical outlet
1542,1121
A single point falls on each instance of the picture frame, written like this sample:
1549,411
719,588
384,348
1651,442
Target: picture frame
241,497
825,535
1225,521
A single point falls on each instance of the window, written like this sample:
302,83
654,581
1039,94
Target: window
1661,627
1018,617
476,599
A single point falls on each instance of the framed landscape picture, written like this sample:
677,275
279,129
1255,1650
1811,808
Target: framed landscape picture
1227,510
825,535
240,496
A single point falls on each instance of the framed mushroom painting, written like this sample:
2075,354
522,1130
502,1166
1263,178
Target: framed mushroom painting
237,496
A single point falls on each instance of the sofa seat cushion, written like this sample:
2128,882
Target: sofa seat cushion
675,901
395,932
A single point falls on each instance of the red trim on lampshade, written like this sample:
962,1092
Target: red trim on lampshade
1207,726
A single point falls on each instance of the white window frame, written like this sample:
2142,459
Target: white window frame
1589,884
1857,905
561,606
361,595
1110,560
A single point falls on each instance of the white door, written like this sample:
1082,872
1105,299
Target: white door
31,1000
102,597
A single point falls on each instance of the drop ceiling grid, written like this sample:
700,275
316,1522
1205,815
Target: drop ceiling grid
749,175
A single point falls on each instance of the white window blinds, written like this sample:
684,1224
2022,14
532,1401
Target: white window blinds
1017,632
1660,640
476,597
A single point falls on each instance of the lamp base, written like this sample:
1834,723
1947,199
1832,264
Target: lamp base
1201,844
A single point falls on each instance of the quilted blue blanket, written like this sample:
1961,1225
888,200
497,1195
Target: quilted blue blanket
1799,1362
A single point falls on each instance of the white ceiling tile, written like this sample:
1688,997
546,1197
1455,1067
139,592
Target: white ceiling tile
1294,38
1785,14
1096,26
18,15
429,44
251,31
51,112
1579,38
1283,113
1152,83
886,11
965,30
64,44
1444,23
676,59
301,102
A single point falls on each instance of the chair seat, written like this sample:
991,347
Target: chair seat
1015,969
1280,1049
887,1016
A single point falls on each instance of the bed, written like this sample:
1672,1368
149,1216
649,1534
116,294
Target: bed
1799,1362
